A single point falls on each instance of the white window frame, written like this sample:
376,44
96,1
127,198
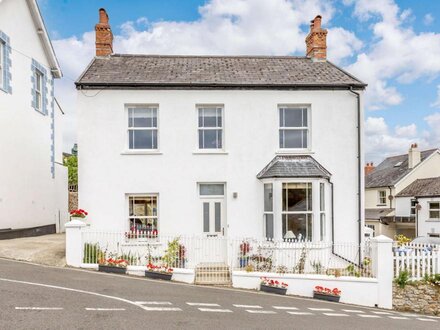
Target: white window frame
39,90
218,107
430,209
267,213
309,213
322,214
413,207
380,197
2,63
282,128
146,195
129,128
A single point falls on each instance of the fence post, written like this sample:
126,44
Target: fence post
74,247
382,267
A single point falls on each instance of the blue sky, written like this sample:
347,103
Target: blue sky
392,45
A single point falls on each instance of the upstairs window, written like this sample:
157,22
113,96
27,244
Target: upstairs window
142,128
294,127
434,210
210,127
414,203
382,197
39,87
5,64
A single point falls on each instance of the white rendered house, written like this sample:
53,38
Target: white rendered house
33,181
237,146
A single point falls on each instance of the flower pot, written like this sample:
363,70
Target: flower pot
112,269
158,276
243,262
325,296
273,289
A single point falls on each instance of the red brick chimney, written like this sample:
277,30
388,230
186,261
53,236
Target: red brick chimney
369,168
104,35
316,41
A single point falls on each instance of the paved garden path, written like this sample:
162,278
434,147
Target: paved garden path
46,250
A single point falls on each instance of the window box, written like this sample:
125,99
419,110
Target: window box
273,289
158,275
325,296
112,269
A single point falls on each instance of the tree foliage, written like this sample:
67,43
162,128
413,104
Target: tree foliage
72,166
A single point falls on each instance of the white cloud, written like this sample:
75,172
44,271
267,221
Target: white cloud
428,19
433,135
436,103
396,52
406,131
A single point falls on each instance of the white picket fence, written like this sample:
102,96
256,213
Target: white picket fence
141,248
419,260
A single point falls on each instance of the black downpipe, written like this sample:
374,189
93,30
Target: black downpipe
358,97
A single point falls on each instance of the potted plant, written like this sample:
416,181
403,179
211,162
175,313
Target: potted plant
323,293
113,265
78,214
273,286
243,257
159,272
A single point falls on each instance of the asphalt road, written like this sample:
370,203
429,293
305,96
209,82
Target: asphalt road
40,297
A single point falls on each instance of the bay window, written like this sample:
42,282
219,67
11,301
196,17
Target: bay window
296,212
322,224
142,128
268,210
143,213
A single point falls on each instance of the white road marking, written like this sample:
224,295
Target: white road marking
202,304
260,311
153,302
370,316
300,313
427,320
321,309
105,309
162,309
383,313
285,307
335,314
398,317
40,308
215,310
247,306
352,311
72,290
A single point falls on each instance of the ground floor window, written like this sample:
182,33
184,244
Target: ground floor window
143,213
268,210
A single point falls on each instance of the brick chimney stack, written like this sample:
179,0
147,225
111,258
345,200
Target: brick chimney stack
369,168
104,35
316,41
414,156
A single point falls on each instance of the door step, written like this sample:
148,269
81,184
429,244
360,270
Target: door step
212,274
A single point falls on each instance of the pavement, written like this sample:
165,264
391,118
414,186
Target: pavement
47,250
42,297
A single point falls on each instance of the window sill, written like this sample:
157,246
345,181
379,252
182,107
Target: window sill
381,205
40,112
141,152
433,220
294,152
210,152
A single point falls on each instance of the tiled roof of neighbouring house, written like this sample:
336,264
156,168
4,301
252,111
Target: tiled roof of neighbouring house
388,174
293,167
131,71
422,188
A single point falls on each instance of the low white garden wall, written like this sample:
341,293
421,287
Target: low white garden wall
179,274
359,291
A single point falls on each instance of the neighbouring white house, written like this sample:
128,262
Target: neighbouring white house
236,146
421,200
385,182
33,181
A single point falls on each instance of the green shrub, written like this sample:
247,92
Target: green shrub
433,279
92,253
403,279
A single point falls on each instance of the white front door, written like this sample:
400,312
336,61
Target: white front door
213,215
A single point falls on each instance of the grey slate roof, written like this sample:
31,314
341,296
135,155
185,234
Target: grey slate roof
377,214
387,174
422,188
293,167
131,71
